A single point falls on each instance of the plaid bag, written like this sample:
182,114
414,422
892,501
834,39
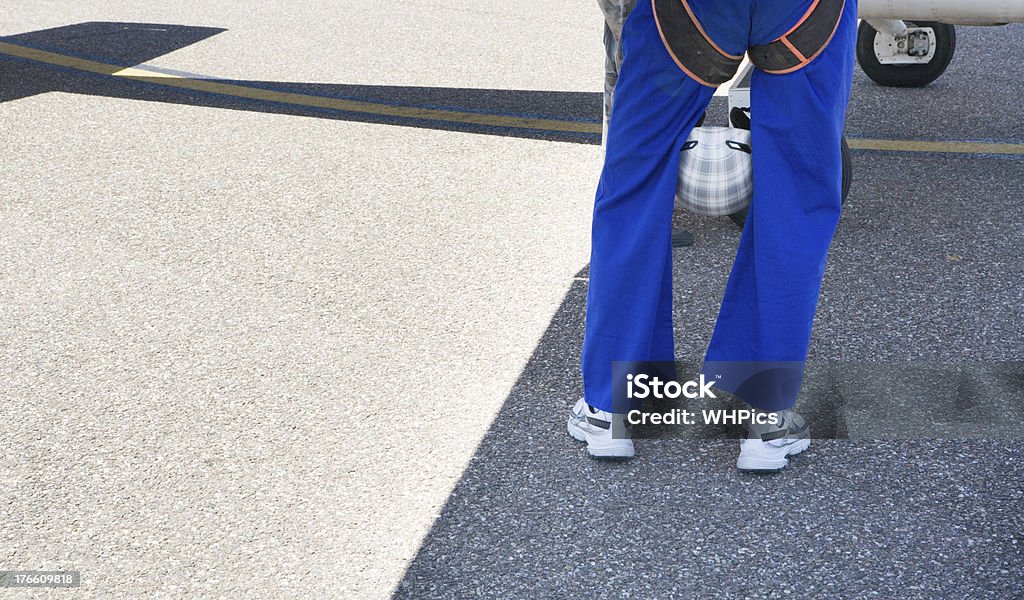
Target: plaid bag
715,172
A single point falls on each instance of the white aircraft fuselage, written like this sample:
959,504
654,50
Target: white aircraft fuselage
965,12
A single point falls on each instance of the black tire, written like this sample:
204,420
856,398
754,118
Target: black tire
740,217
906,75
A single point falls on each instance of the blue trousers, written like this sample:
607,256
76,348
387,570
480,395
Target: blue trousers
772,293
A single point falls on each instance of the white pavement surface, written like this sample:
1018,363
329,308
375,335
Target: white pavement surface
247,354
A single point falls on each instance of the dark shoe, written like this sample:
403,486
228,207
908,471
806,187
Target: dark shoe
681,237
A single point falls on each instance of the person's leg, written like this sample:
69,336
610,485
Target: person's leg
629,300
764,324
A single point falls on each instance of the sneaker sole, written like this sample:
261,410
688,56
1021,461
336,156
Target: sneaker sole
613,452
772,465
575,432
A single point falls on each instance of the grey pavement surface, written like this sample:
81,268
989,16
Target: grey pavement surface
255,352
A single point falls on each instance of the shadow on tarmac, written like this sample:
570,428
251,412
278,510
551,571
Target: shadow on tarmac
531,516
130,44
534,517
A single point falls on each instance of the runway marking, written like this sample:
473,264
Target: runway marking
202,83
305,100
940,147
146,72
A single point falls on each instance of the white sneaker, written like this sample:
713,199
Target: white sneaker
587,424
767,447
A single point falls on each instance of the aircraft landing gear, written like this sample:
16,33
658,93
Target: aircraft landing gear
904,53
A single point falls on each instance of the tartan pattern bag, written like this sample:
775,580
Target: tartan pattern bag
715,171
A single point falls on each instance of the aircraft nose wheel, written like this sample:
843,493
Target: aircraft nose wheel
740,217
911,56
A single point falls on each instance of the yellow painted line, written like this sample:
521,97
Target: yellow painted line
228,89
57,59
948,147
138,72
449,116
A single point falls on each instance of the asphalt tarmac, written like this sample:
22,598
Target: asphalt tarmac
260,348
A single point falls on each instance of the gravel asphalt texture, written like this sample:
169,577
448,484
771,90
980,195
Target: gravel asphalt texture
250,351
